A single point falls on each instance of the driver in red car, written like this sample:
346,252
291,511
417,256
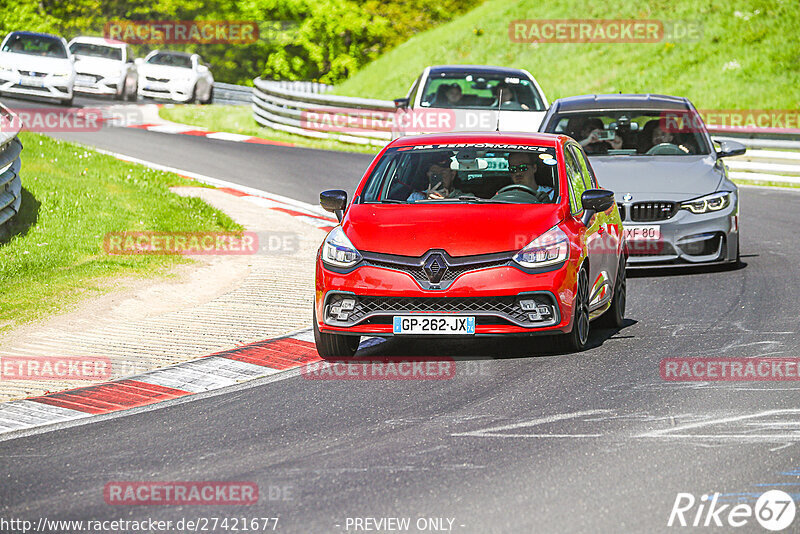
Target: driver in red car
522,167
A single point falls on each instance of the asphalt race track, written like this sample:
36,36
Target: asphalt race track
298,173
519,440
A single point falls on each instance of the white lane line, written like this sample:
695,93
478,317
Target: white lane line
216,182
170,128
678,432
227,136
205,374
495,432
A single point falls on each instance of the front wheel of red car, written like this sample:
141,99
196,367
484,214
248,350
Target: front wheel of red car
577,339
334,345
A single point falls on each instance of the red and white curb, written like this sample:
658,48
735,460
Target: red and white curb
184,129
209,373
308,213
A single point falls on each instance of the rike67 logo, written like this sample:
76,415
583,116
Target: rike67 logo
774,510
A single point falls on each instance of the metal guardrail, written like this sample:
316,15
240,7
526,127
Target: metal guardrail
287,108
228,93
766,160
10,181
242,95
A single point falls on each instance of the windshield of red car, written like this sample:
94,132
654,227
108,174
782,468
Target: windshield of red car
634,133
514,174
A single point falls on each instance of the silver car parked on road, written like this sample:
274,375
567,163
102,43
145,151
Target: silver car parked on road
677,203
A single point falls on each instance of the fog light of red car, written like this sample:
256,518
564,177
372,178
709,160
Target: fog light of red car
527,305
348,304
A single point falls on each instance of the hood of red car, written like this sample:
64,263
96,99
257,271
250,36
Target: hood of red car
459,229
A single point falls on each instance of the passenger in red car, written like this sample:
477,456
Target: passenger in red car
440,180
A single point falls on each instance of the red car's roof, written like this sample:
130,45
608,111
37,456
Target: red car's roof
516,138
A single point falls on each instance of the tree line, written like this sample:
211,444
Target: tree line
313,40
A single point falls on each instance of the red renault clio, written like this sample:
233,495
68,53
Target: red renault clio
471,234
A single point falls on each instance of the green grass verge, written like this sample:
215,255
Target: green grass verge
747,57
72,197
239,119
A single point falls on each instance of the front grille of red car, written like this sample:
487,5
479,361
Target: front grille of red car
450,274
494,310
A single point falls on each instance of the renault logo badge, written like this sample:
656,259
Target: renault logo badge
435,268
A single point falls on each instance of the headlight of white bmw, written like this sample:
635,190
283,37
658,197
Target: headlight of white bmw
550,248
338,251
713,202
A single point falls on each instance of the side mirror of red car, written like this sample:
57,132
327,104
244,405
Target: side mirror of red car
595,200
334,200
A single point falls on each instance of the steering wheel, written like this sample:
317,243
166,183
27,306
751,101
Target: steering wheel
517,187
665,149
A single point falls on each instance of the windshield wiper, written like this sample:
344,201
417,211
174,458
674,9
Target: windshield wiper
484,200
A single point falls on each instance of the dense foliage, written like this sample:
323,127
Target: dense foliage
320,40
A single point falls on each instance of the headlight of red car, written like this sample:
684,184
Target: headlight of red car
550,248
338,251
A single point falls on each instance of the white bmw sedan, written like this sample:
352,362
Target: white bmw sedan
104,67
176,76
36,64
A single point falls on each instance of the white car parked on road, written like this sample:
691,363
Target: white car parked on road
36,64
104,67
176,76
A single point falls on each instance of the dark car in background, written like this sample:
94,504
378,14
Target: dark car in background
677,203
